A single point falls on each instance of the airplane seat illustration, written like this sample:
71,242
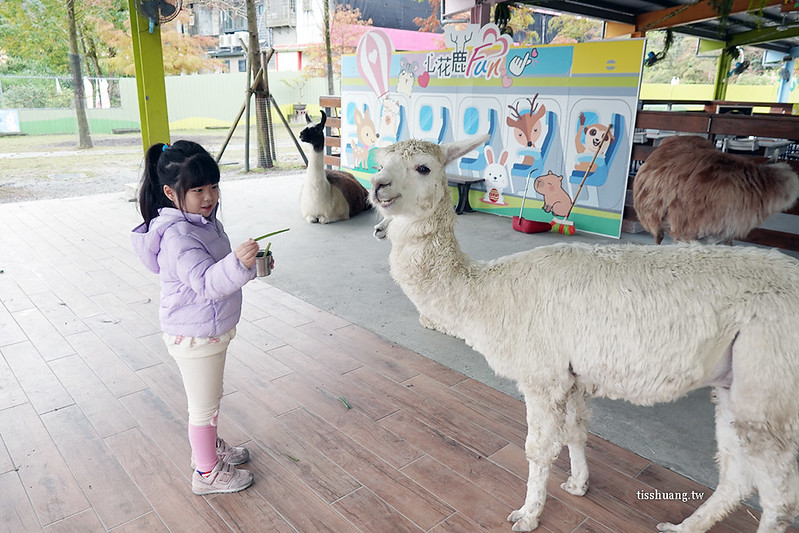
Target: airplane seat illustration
471,127
598,177
539,154
433,127
348,124
403,124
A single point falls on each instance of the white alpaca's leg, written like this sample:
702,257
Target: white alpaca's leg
544,441
735,474
777,481
577,416
381,229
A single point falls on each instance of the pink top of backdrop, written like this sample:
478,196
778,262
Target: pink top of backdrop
406,40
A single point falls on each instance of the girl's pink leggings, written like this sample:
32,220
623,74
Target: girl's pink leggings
201,361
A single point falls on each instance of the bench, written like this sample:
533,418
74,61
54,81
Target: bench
464,183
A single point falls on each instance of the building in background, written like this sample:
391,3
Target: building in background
289,26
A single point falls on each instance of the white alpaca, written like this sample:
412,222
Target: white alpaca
328,195
642,323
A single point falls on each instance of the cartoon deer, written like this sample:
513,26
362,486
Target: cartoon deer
527,127
367,138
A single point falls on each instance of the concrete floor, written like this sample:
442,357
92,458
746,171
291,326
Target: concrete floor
343,269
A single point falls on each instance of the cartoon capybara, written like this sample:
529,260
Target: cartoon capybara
556,199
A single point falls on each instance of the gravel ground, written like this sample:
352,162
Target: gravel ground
49,166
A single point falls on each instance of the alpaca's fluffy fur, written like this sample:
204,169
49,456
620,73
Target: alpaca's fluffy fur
328,195
642,323
694,192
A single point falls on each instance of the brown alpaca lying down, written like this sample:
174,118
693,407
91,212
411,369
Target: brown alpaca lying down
354,192
328,195
694,192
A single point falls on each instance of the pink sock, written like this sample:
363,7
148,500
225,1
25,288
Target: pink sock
203,444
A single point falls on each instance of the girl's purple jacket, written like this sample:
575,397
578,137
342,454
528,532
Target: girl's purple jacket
201,278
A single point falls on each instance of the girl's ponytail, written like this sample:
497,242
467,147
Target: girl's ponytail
151,194
182,165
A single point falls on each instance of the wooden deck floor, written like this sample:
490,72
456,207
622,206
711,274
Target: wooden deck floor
347,431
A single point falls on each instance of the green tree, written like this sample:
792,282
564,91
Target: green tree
35,37
84,138
182,54
572,29
520,24
40,36
683,62
328,46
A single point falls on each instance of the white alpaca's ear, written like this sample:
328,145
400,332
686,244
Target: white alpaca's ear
457,149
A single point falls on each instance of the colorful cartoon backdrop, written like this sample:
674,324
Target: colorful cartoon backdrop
545,108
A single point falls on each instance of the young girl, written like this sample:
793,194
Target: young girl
182,241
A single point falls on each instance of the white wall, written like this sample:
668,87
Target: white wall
288,61
309,21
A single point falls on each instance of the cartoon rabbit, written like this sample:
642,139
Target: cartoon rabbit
496,177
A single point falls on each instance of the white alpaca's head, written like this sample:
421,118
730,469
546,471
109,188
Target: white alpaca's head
412,179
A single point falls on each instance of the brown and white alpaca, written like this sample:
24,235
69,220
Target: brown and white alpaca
694,192
646,324
328,195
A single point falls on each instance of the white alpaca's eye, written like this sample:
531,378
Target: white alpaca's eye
424,170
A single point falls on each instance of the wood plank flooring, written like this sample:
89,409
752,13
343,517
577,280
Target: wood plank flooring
347,432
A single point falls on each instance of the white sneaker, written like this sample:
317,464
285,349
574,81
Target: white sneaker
234,455
222,479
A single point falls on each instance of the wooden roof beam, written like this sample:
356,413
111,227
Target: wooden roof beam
687,14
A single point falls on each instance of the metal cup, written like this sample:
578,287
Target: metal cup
263,264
